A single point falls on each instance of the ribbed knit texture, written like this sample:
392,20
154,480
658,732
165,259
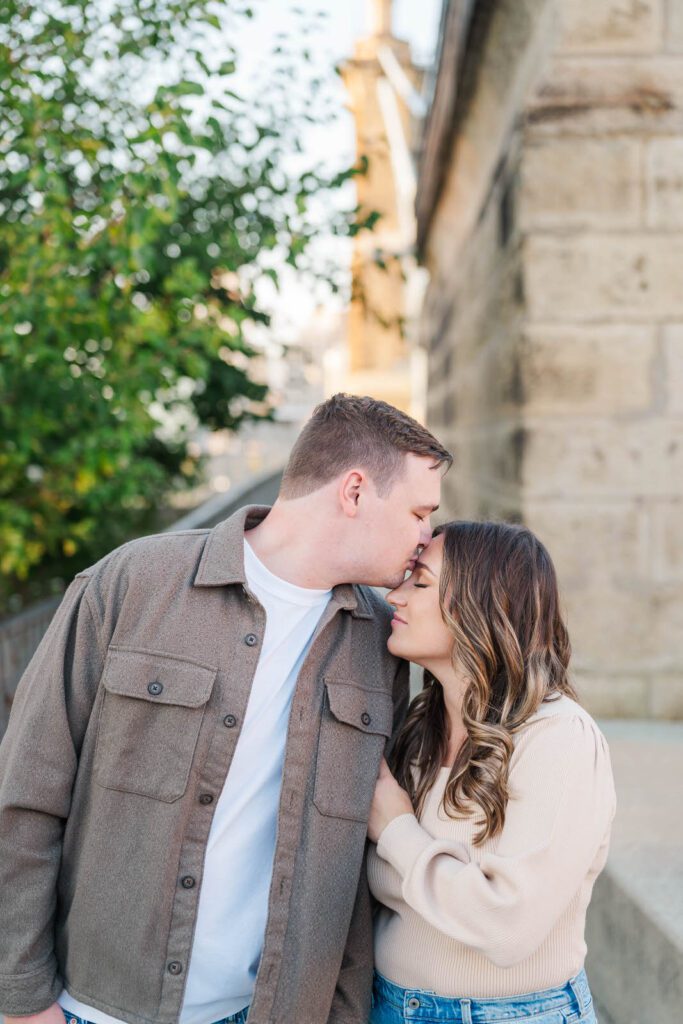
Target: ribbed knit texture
507,917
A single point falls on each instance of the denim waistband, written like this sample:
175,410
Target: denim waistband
418,1004
235,1018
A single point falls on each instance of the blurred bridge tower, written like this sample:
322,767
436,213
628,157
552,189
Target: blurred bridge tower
382,357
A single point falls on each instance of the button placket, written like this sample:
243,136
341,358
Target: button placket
252,624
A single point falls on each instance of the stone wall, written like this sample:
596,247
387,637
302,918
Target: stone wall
554,317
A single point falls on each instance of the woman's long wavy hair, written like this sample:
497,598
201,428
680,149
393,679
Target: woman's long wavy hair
499,597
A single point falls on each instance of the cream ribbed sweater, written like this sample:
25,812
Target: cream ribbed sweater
506,917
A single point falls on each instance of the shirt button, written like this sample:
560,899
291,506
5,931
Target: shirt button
230,721
206,799
175,967
365,718
187,882
155,688
251,639
414,1003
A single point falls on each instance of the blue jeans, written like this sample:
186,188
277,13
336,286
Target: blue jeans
570,1004
236,1018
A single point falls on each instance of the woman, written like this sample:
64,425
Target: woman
495,822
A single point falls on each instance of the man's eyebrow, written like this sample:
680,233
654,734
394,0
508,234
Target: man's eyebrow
423,565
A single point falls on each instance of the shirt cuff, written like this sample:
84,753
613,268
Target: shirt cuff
402,841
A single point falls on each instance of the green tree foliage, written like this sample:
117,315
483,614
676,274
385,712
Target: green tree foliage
140,196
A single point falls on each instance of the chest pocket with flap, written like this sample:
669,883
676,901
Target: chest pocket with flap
354,728
149,722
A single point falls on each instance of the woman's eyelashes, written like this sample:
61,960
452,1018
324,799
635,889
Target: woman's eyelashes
421,585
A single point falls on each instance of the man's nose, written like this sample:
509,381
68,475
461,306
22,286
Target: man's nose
426,535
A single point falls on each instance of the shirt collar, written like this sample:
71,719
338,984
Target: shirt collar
222,560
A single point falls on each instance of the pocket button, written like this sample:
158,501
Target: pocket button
365,718
155,688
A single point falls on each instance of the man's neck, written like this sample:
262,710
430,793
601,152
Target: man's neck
297,554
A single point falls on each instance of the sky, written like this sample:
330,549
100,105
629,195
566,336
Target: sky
416,21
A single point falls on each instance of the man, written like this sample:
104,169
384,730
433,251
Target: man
187,774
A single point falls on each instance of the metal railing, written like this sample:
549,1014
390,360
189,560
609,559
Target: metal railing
20,634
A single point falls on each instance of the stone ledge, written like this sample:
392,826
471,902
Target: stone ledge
635,920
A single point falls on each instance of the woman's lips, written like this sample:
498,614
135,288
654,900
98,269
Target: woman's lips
397,618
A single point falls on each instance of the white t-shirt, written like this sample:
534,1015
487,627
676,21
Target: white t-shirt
238,865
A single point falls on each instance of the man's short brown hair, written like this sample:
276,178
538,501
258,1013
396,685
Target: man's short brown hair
349,430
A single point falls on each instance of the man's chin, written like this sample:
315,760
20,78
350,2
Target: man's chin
393,582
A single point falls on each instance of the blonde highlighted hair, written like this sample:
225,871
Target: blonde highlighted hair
499,597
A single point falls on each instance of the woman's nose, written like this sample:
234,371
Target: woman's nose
396,598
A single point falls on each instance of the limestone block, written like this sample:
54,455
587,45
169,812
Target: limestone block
488,387
664,183
484,481
597,276
667,540
673,372
673,36
666,696
665,614
590,459
620,630
610,26
601,370
581,182
518,38
495,451
621,696
619,96
599,541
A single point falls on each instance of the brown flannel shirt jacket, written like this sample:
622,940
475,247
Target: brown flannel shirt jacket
120,737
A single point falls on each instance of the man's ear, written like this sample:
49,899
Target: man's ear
350,489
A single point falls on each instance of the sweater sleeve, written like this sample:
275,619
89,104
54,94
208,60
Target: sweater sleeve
558,818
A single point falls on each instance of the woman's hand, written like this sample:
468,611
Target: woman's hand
388,802
52,1015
